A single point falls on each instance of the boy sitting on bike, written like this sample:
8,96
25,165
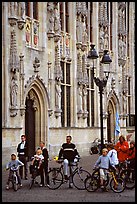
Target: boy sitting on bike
13,164
104,163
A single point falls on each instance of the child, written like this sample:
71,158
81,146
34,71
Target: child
103,162
112,153
38,160
131,157
13,163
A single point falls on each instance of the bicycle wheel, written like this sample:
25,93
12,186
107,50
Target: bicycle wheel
55,179
119,187
15,182
78,178
92,183
129,176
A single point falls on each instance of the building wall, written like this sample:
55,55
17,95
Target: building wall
34,68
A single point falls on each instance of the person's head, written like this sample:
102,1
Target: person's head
121,138
68,139
39,152
110,146
132,144
104,151
13,156
42,144
23,138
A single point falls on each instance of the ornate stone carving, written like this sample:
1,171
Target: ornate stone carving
36,65
50,9
101,37
58,71
13,61
13,91
12,13
58,94
85,93
79,68
57,26
80,98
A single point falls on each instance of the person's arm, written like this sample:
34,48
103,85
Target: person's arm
61,153
97,162
7,165
124,147
20,163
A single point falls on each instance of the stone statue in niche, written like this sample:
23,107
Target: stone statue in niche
58,93
101,38
57,25
51,24
13,91
78,30
85,98
22,10
84,34
80,96
106,38
120,46
124,47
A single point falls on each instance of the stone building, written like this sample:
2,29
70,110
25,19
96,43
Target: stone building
48,88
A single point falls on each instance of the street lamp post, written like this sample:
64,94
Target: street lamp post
101,83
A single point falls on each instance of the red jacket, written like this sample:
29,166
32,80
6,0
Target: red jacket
131,153
122,150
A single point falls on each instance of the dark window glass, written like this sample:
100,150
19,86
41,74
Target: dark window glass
27,9
35,10
67,73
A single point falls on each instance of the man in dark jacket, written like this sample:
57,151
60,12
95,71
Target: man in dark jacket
22,150
44,164
69,153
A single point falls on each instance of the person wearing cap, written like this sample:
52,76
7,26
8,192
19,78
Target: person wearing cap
13,163
122,147
104,163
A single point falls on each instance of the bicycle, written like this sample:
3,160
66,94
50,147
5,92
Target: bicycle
92,183
128,174
14,177
34,170
76,177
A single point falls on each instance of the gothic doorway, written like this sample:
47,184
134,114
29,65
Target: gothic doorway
30,126
110,122
36,116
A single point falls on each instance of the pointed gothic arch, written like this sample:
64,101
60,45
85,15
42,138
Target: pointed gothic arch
36,115
112,107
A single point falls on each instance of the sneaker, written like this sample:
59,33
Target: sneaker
26,178
71,185
7,187
46,185
36,182
21,185
41,185
102,187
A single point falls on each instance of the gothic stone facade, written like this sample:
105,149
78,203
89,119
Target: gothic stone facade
48,89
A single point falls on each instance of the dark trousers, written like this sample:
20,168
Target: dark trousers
46,177
23,159
43,173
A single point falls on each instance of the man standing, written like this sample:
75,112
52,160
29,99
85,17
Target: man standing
22,150
45,163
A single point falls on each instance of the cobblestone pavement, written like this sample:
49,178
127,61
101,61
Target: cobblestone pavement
63,194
